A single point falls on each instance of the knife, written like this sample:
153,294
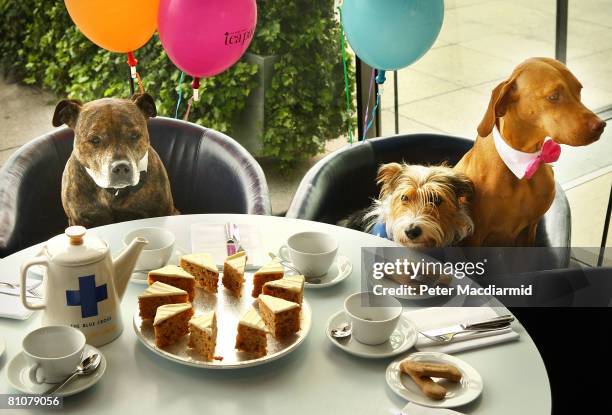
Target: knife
491,323
494,323
237,239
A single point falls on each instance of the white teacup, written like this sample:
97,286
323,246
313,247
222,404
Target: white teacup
312,253
373,318
157,252
53,353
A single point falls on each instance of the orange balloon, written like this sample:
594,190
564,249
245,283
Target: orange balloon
117,25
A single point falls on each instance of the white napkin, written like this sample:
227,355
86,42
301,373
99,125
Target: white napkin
439,317
414,409
210,237
10,306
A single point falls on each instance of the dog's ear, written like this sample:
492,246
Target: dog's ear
462,186
146,104
387,174
500,97
66,112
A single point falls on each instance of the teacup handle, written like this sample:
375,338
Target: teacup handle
32,372
22,282
283,252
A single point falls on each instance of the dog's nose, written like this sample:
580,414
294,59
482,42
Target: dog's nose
414,231
121,170
597,125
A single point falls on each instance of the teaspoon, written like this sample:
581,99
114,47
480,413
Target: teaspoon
87,366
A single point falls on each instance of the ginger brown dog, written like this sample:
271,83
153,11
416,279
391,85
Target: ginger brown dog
540,99
113,173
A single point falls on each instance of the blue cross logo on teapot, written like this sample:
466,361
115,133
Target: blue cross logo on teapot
87,296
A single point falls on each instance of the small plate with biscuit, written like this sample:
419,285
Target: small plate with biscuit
433,379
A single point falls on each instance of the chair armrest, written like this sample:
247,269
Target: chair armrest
257,196
555,228
30,192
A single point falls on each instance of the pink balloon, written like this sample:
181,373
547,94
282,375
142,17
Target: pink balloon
205,37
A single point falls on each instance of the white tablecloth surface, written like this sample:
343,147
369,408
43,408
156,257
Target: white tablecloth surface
316,378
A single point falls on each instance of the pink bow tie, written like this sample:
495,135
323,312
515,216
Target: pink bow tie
549,154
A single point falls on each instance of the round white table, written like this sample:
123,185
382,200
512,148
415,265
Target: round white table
317,377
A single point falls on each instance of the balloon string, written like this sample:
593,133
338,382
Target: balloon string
132,62
366,122
346,79
130,81
180,94
189,103
140,87
373,116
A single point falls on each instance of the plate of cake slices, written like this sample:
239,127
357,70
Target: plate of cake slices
195,315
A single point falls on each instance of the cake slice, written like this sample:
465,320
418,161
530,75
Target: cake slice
290,288
171,323
281,316
233,272
252,332
175,276
158,294
203,268
269,272
203,334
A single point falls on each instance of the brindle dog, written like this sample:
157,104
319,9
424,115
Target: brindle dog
113,173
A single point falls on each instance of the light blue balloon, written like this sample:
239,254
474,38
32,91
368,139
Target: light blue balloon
392,34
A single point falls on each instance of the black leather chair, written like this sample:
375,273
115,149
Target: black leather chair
345,181
209,173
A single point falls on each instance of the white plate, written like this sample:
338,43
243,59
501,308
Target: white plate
402,339
229,309
17,376
2,346
338,272
459,393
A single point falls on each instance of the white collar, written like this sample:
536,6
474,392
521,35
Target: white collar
517,161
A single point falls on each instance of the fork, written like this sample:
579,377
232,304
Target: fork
283,262
448,337
236,235
32,291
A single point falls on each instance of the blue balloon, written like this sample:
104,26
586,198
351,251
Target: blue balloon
392,34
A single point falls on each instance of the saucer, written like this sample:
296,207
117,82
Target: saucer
459,393
402,339
338,272
17,376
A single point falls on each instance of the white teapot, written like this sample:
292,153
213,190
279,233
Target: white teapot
84,285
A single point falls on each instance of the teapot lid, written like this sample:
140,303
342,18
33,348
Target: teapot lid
76,247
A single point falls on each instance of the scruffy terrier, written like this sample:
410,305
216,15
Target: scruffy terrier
421,206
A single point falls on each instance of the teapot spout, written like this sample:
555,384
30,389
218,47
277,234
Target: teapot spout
124,264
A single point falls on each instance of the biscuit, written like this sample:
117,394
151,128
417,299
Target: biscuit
435,370
430,388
